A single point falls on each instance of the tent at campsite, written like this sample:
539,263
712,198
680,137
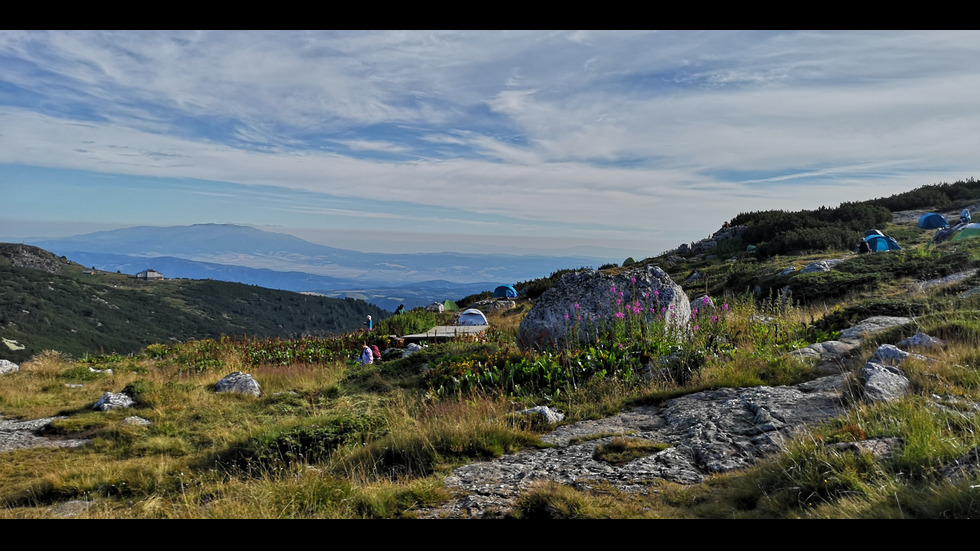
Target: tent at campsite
933,221
472,316
879,242
504,291
449,306
968,231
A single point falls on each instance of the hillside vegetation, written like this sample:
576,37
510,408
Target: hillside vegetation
331,438
47,302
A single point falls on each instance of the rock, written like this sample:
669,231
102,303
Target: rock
241,383
71,508
706,432
888,354
136,420
788,271
702,305
582,303
879,448
549,415
966,466
871,326
493,305
411,349
883,383
7,366
821,266
922,340
113,400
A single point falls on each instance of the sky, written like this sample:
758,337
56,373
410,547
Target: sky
605,143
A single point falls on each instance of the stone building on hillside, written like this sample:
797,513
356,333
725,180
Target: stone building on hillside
149,275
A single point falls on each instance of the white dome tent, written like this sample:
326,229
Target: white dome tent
472,316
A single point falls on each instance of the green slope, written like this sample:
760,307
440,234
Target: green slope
47,302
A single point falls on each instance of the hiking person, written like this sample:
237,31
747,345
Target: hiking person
965,216
369,324
367,357
399,309
376,352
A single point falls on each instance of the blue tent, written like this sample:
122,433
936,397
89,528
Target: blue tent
882,243
504,291
933,221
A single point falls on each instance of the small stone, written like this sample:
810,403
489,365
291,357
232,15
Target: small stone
136,420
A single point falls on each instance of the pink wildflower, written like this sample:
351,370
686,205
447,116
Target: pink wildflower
725,307
656,292
632,280
566,316
576,306
714,319
646,294
696,327
620,315
707,300
619,301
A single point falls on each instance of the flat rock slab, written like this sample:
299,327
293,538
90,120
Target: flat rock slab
708,432
17,435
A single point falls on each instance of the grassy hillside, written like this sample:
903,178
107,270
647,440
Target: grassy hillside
56,304
330,438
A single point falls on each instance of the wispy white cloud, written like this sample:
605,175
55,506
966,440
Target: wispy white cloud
660,133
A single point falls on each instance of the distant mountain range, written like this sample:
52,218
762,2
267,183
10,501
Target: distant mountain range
243,254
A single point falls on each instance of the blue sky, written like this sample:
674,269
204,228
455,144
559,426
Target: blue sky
609,143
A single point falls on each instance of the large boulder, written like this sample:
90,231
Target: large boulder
238,382
582,303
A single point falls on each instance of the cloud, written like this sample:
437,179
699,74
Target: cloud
589,133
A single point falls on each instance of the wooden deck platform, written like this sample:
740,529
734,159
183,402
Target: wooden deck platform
446,332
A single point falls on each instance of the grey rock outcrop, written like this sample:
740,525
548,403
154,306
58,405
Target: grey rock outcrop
827,354
7,366
17,435
884,383
238,382
707,432
113,400
554,318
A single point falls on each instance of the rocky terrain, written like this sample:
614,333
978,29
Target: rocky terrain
705,433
